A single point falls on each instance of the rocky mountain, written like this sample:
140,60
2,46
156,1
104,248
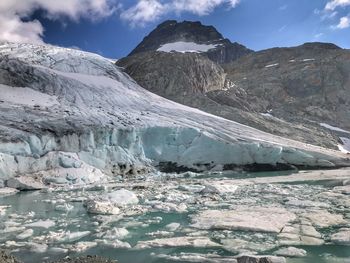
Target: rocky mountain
300,92
71,117
171,34
311,81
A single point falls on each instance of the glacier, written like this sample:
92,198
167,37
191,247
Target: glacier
73,117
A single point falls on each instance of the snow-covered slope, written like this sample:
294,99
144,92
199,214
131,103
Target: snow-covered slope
73,117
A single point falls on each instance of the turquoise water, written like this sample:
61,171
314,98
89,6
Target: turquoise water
79,220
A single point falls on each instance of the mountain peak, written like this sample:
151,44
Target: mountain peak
172,31
320,45
194,35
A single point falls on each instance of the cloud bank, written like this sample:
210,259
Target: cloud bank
12,12
151,10
343,23
332,5
15,25
334,9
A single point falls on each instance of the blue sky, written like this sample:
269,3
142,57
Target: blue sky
113,28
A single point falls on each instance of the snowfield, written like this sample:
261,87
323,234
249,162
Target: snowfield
345,146
81,120
184,47
333,128
26,96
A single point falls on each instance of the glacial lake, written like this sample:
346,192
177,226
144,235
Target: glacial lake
64,220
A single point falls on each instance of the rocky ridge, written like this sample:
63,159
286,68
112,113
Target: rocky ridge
171,31
285,91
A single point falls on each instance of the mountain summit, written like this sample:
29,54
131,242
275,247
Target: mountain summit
192,37
290,92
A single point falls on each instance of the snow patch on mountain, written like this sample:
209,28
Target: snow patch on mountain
333,128
184,47
345,146
272,65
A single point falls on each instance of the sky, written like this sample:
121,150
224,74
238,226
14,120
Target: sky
112,28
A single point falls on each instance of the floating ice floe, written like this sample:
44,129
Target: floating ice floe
82,246
173,226
110,203
123,197
291,252
65,236
323,218
261,219
25,183
8,191
25,234
42,224
199,242
114,233
101,207
342,237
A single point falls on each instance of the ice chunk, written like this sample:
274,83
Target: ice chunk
25,183
323,218
201,242
172,226
262,219
42,224
123,197
342,237
101,207
291,252
8,191
82,246
25,234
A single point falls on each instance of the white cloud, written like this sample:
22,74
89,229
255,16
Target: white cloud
14,29
144,11
319,35
151,10
343,23
333,4
200,7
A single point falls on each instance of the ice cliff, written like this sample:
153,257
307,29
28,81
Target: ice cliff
68,116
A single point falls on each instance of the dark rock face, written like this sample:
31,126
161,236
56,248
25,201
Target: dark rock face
283,91
180,75
306,83
171,31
